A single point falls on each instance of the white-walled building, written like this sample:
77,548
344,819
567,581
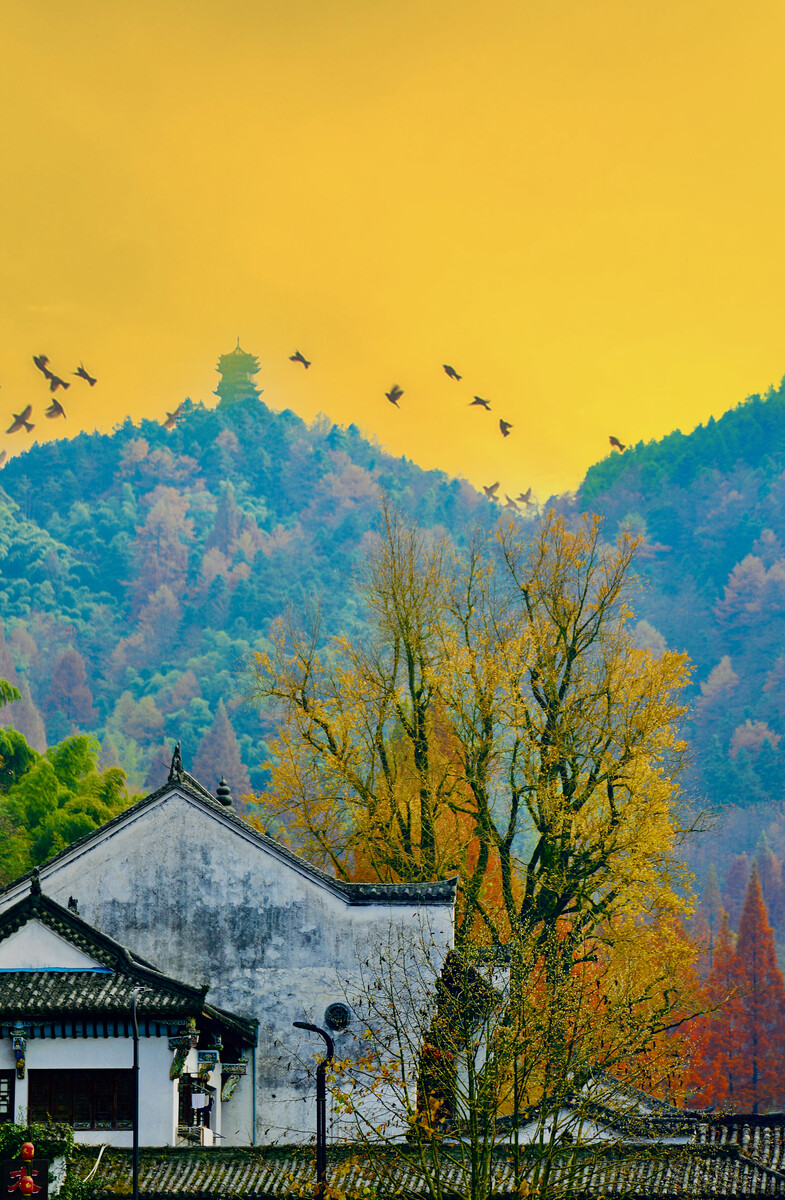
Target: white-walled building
189,885
66,1050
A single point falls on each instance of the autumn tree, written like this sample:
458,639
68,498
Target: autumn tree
461,1065
218,754
736,880
496,721
69,691
761,1040
714,1074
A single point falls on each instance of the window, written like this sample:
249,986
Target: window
195,1103
6,1095
82,1099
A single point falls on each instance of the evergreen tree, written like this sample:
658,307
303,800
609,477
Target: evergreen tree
219,754
761,1042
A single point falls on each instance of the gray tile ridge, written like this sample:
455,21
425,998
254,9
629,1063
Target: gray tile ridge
438,892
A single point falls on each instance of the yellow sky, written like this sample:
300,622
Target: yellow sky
577,204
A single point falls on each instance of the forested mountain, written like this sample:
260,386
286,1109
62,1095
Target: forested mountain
139,569
710,508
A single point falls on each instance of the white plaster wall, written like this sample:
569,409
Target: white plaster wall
206,902
157,1112
35,946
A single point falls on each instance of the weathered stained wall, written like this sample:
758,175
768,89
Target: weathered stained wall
207,900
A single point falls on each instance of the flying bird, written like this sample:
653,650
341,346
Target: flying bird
172,417
20,419
300,358
55,382
83,374
3,457
486,404
616,444
40,361
453,374
55,409
505,427
525,497
394,394
490,490
510,503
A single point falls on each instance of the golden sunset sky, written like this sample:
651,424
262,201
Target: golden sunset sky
579,205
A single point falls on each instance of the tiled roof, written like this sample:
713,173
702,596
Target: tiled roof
27,994
759,1137
696,1172
440,892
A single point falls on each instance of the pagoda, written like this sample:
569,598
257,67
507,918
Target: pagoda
237,370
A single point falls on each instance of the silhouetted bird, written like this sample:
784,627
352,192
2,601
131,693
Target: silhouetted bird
479,400
616,444
82,373
55,382
298,357
453,374
3,457
394,394
525,497
20,420
490,490
505,427
510,503
55,409
40,361
172,418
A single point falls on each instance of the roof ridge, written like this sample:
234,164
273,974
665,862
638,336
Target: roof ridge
441,891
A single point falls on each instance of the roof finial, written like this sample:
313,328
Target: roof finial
35,883
223,793
176,769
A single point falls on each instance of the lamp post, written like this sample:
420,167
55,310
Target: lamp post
321,1108
135,1094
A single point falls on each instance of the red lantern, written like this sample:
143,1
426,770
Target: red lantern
28,1150
26,1185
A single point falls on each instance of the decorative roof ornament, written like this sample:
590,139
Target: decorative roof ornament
223,793
176,769
35,883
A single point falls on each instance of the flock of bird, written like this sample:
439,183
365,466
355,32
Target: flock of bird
55,409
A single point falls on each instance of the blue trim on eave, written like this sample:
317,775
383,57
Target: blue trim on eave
59,970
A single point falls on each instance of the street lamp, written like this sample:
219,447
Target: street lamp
321,1108
135,1094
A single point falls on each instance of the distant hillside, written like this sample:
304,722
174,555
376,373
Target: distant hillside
710,507
138,569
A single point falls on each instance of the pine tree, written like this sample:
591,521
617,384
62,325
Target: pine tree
714,1069
219,754
762,1027
735,888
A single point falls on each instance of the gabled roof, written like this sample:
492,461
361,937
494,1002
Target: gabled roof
440,892
699,1172
43,993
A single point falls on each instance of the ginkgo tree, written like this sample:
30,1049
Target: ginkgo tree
496,720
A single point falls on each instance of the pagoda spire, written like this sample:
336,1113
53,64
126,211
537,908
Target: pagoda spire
237,370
